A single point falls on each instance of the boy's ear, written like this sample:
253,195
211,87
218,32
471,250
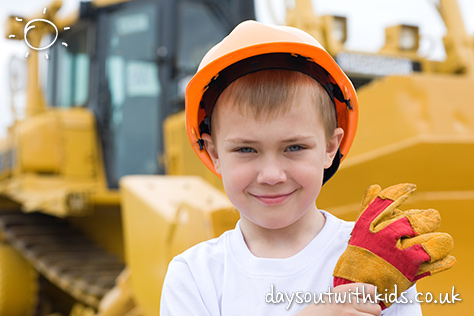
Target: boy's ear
212,151
332,146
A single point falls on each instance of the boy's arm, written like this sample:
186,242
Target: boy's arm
180,294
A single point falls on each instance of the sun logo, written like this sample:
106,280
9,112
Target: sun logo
28,27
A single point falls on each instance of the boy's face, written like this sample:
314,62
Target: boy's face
272,170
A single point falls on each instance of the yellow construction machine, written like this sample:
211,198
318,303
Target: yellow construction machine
99,187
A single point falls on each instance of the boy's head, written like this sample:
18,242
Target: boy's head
262,70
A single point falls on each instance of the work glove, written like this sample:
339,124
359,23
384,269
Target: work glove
390,248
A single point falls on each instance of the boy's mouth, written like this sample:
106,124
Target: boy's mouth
272,199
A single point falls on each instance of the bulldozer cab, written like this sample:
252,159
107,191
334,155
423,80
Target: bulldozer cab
129,64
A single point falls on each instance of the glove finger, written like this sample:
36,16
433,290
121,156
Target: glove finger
398,194
388,218
391,193
424,221
428,268
436,245
369,195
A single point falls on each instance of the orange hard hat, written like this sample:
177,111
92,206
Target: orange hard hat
253,46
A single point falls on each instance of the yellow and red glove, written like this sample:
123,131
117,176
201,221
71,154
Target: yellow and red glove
391,247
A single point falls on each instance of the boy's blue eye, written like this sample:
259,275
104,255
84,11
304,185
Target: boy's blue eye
294,148
245,150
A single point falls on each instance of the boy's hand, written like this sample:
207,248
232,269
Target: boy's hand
390,248
354,307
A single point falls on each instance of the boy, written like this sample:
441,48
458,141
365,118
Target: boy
272,114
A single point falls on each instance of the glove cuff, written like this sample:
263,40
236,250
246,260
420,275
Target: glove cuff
376,271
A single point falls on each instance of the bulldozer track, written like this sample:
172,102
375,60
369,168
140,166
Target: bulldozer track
63,254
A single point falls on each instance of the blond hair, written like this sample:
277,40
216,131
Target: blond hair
266,94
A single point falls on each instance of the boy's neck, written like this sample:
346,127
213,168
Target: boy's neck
284,242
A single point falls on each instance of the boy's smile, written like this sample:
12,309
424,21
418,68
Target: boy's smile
273,199
272,167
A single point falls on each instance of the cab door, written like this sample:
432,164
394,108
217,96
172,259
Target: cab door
130,89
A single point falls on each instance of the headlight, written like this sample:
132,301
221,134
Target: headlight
408,38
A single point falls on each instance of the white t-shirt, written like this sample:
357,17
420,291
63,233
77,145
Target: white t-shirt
221,277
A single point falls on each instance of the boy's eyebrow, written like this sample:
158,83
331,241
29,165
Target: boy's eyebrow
296,139
250,141
240,141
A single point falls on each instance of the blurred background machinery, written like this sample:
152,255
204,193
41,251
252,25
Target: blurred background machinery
99,187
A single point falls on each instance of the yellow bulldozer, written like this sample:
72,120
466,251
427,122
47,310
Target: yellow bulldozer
99,187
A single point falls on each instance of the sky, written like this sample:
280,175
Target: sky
366,20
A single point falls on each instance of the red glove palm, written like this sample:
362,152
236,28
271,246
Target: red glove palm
390,247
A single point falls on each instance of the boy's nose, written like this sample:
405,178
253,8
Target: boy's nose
271,173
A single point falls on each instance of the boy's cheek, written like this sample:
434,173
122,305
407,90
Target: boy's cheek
236,176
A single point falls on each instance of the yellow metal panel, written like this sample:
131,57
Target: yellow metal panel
104,226
38,143
399,108
79,144
59,141
163,216
18,284
457,215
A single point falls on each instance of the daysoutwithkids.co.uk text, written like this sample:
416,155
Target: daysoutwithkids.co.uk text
276,297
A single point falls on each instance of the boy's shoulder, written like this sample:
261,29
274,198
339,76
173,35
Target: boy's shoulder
209,250
343,227
333,218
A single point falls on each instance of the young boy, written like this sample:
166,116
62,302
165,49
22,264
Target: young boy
271,113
